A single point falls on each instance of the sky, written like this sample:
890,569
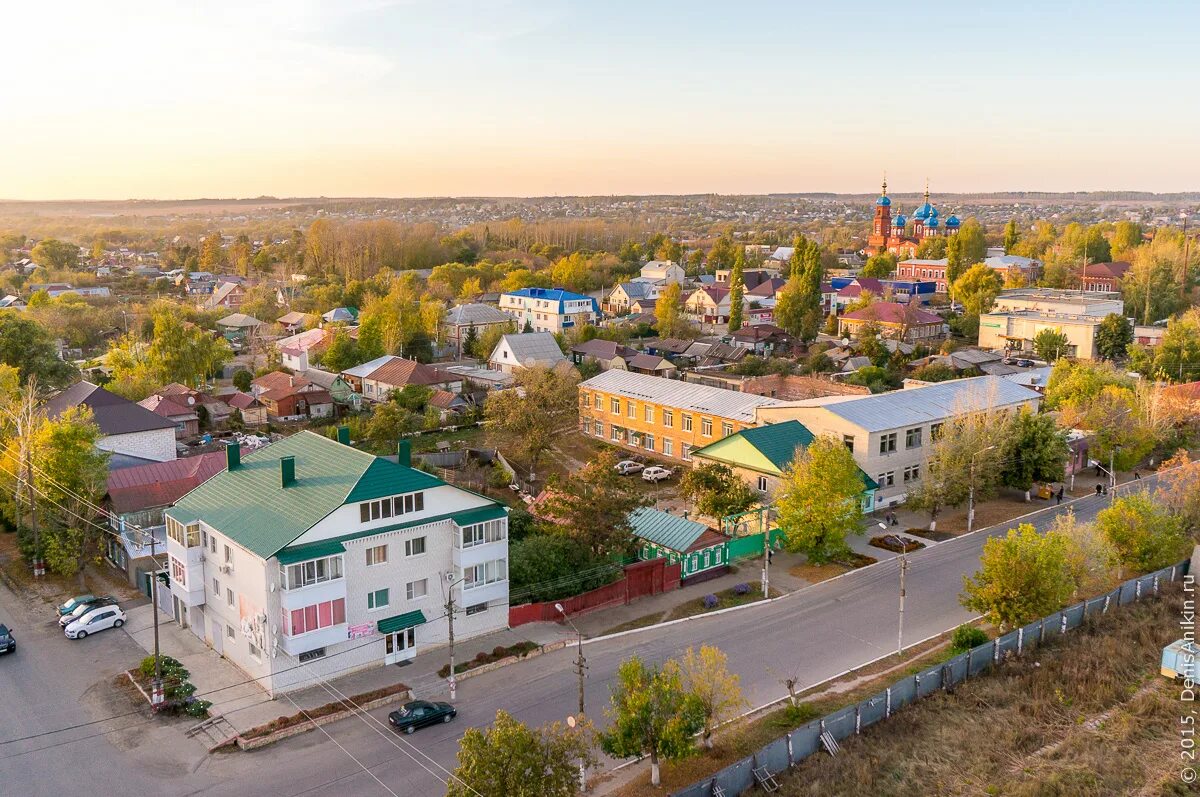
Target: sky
162,99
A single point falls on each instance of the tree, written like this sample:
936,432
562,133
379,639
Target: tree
964,454
242,380
178,352
53,254
716,491
1178,356
342,351
791,306
819,500
212,253
1144,534
1179,489
707,678
389,422
1077,383
393,322
652,715
668,311
932,248
470,340
1089,554
1033,449
593,505
528,421
722,254
669,249
1050,344
737,290
964,249
1126,236
510,759
976,289
491,338
1022,576
1012,236
880,266
26,346
798,310
1113,336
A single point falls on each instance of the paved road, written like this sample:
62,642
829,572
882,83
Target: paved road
813,634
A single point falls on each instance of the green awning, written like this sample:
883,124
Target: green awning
312,550
391,625
492,512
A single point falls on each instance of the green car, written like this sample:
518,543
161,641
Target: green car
420,713
74,603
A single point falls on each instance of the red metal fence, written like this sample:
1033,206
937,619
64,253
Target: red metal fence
640,579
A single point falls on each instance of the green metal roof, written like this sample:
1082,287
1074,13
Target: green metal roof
480,514
664,529
250,504
463,518
313,550
391,625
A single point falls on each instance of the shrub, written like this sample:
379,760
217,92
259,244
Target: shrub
197,708
482,657
499,652
711,601
967,637
168,664
742,589
798,715
444,671
498,478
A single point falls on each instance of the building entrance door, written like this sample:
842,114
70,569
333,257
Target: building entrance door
400,646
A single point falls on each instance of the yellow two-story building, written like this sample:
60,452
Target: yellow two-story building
664,417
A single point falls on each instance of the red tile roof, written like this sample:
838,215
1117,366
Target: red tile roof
160,483
278,380
164,406
893,313
400,372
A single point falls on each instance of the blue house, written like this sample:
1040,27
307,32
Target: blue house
549,309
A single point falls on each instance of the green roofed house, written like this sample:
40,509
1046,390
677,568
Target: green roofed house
310,552
760,455
701,551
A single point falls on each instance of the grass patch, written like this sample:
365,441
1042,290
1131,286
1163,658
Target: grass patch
936,536
725,599
520,649
638,622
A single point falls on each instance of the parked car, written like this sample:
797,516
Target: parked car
84,608
98,619
656,474
420,713
628,466
1023,363
75,603
8,644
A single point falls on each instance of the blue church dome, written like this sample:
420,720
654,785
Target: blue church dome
933,212
923,211
898,221
884,201
931,221
952,221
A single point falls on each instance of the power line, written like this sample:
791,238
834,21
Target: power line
343,749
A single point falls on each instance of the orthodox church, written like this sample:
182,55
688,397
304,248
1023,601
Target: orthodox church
888,233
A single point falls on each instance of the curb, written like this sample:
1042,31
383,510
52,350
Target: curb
507,660
256,742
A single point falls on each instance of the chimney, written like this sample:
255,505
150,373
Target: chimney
291,381
343,435
287,470
233,456
404,453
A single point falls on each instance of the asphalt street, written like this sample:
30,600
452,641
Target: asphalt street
812,635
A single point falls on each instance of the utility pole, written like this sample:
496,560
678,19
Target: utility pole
580,670
766,568
971,490
450,622
900,625
157,691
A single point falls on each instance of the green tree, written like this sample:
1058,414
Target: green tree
707,678
470,340
799,307
490,339
964,249
880,266
737,290
1126,236
26,346
389,422
1012,236
722,254
341,353
965,453
976,289
546,567
1050,344
1089,554
1178,356
57,255
652,715
1145,534
1022,576
1113,336
819,500
716,491
932,248
668,311
527,422
242,380
510,759
594,504
1033,449
1077,383
669,250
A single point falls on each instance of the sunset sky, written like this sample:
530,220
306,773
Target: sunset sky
167,99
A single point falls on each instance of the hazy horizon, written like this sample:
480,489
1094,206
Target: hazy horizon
536,98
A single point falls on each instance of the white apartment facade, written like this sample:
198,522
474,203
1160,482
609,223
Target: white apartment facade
549,309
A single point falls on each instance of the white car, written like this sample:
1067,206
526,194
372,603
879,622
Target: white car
628,466
656,474
98,619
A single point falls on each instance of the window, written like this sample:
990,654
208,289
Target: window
912,438
178,572
686,454
476,608
614,406
212,542
668,447
479,533
228,554
229,596
706,427
912,473
311,655
229,632
203,538
417,589
726,429
630,409
848,439
617,432
312,572
377,599
599,403
216,589
485,573
687,422
377,555
648,442
414,547
935,431
887,443
391,507
668,419
762,484
254,652
187,536
648,414
887,479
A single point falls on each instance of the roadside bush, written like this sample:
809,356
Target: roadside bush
194,707
498,478
798,715
499,652
967,637
741,589
147,666
711,601
546,567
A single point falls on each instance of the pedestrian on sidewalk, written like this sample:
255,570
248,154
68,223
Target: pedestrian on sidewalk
1099,489
1136,476
1058,496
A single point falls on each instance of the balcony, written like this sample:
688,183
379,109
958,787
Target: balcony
331,635
486,593
300,597
478,554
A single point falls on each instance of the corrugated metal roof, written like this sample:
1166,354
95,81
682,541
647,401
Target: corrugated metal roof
538,347
475,313
930,403
313,550
682,395
665,529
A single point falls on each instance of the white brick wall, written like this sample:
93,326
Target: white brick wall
156,444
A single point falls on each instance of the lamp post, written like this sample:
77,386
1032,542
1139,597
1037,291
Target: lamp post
971,490
580,668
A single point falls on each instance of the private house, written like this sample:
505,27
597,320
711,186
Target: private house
549,309
185,418
700,550
1104,277
652,364
889,433
354,376
759,457
708,305
237,328
853,290
665,417
525,350
605,353
254,412
642,310
136,499
662,272
623,297
298,351
134,435
766,290
57,289
341,315
11,302
339,389
761,339
750,279
447,404
902,322
461,319
398,373
216,410
291,397
225,295
294,321
310,552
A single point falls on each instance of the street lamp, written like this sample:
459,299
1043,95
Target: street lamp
971,490
580,668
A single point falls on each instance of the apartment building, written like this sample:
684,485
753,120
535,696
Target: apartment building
664,417
1019,315
549,309
888,433
309,552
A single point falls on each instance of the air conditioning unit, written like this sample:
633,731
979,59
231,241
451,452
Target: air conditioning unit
226,568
